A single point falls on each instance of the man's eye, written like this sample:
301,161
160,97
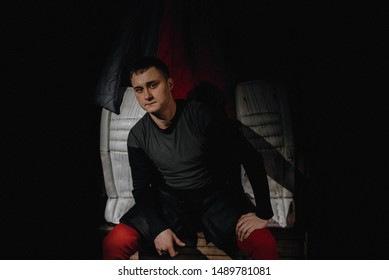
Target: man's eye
153,85
138,90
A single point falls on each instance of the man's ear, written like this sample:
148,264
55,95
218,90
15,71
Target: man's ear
170,83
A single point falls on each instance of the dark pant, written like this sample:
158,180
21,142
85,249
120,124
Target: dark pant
214,212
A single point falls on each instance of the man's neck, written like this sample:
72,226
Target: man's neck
164,120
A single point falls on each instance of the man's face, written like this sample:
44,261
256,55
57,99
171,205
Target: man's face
152,90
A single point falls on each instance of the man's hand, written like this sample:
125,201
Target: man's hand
164,243
247,224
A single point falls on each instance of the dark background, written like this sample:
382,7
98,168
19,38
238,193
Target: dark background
332,55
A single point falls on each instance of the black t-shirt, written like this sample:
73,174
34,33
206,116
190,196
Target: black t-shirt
178,152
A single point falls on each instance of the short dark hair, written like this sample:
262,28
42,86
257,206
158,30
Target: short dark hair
144,63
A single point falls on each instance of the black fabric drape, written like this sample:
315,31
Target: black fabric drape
138,35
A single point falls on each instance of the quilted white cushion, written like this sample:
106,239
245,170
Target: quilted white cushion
113,151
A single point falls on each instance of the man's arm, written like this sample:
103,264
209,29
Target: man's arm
144,175
252,162
143,172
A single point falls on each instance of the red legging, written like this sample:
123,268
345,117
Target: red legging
123,241
120,243
260,245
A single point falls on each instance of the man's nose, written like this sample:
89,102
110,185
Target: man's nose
148,95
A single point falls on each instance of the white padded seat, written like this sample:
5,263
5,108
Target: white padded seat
113,151
263,108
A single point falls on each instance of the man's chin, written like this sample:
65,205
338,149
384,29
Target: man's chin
150,109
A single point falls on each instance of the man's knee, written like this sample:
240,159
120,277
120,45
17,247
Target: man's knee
260,244
262,238
121,242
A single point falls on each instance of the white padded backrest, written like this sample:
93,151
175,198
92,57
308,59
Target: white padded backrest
262,107
114,157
